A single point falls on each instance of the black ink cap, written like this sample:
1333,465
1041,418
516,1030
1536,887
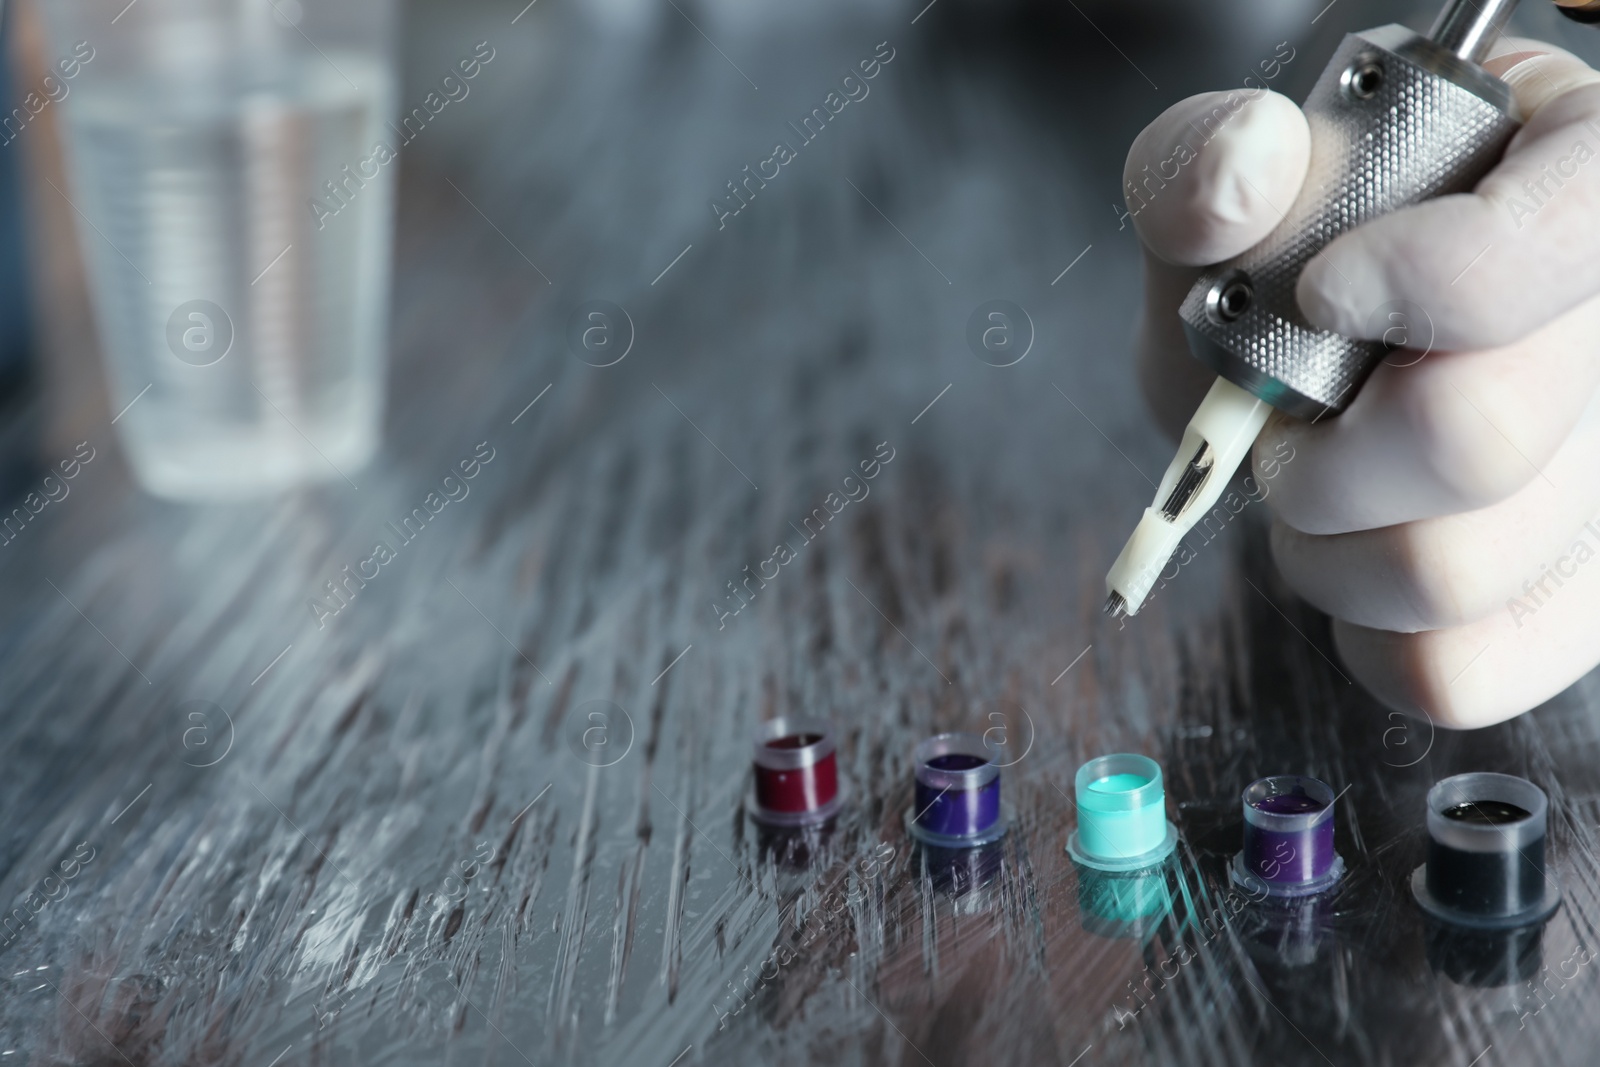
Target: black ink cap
1486,853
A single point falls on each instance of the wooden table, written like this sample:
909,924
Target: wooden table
489,810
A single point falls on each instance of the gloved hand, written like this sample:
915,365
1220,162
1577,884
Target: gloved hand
1449,520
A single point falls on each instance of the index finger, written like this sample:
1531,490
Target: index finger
1493,265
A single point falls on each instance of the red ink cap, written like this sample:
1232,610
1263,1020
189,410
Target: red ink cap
796,773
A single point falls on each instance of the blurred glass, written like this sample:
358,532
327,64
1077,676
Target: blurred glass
233,180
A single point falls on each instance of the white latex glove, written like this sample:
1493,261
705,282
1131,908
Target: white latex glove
1449,520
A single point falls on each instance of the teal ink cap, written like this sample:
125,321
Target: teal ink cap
1122,814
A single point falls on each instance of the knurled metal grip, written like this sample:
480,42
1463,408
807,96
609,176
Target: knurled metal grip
1395,119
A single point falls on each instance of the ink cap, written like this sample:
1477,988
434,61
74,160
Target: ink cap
1122,814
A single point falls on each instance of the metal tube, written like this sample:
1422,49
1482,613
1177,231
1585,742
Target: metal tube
1469,29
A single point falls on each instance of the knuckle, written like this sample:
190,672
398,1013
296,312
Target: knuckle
1405,578
1416,674
1474,311
1463,446
1303,561
1434,671
1442,578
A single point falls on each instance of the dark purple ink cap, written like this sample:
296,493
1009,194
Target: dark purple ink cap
1288,837
957,792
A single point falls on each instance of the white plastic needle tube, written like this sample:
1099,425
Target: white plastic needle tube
1217,438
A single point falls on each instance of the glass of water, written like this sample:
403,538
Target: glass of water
232,175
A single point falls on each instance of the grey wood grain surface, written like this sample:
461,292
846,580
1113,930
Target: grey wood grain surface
489,810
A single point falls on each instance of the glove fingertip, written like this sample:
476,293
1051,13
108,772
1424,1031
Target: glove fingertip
1215,173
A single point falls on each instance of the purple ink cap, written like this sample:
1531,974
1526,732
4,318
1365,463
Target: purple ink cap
957,793
1288,837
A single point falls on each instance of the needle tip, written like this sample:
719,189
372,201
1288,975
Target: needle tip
1116,606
